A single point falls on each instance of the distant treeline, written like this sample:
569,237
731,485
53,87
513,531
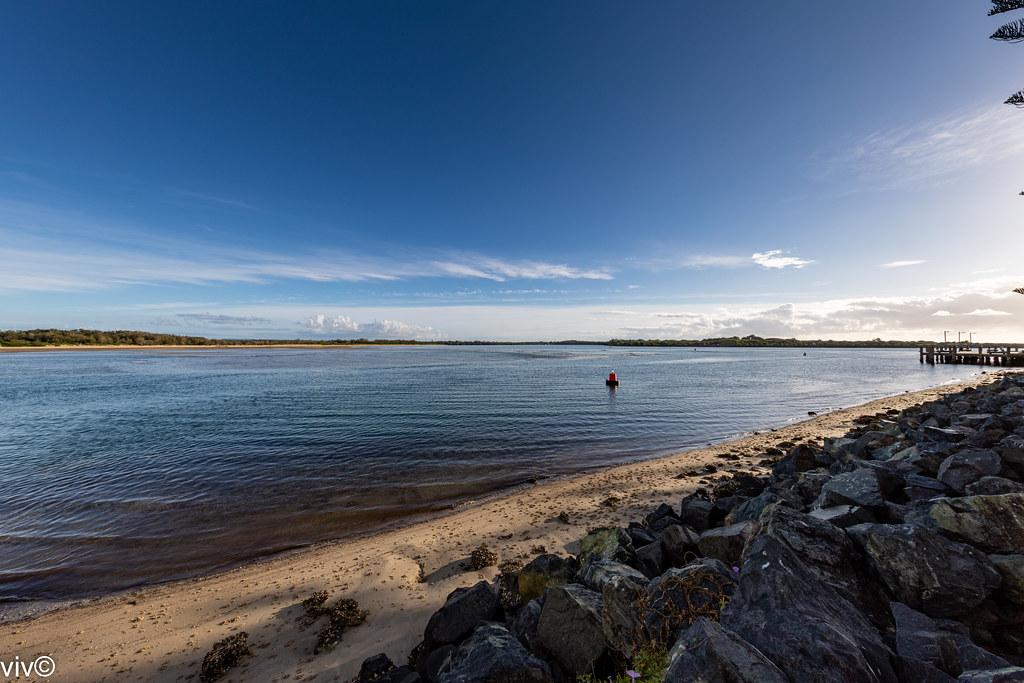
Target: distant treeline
17,338
774,342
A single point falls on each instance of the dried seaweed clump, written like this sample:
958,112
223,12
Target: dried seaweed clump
223,655
343,614
482,557
508,584
314,607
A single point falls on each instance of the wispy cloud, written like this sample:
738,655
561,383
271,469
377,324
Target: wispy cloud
930,149
221,319
499,270
776,260
988,313
900,264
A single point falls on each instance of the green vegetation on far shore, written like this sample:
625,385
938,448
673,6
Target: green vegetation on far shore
53,337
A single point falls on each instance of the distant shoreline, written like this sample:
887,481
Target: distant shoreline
179,347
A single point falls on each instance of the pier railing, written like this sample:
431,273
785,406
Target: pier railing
962,353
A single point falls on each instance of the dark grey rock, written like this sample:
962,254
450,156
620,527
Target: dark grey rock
641,536
695,511
727,543
920,487
801,624
1010,674
621,598
859,487
570,628
597,573
924,570
843,515
992,523
751,509
524,624
919,637
966,467
464,609
709,653
375,668
993,486
678,545
493,655
1011,568
651,560
433,663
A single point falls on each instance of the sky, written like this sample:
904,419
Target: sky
511,171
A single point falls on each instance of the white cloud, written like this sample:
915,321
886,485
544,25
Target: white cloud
988,313
775,260
499,270
709,261
942,314
345,326
901,264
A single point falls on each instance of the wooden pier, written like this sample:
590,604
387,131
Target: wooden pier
973,354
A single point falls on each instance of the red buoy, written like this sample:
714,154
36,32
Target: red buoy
613,379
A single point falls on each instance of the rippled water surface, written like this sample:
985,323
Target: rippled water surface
125,467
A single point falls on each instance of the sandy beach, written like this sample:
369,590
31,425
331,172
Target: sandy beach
161,633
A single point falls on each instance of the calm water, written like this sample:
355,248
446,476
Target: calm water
127,467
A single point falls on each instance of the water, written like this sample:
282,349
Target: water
128,467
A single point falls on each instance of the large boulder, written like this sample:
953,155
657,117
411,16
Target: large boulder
678,545
709,653
695,511
920,638
859,487
678,597
493,655
1011,568
992,523
967,467
570,628
801,624
924,570
1009,674
622,594
726,543
596,574
544,571
993,486
524,624
464,609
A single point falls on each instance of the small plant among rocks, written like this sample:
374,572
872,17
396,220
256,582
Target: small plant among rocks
223,656
508,584
482,557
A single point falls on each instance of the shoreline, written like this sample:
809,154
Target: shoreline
162,631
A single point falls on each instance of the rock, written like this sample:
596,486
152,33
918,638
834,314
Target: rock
1011,568
609,543
752,509
678,545
493,655
524,625
651,560
859,487
695,511
662,512
544,571
809,484
464,609
966,467
375,668
621,596
805,627
431,664
843,515
640,536
570,628
992,523
921,638
721,508
920,487
948,434
1009,674
678,597
993,486
709,653
727,543
597,573
924,570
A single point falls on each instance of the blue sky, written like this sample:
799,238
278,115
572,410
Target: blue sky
510,171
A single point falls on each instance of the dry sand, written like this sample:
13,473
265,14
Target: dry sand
161,633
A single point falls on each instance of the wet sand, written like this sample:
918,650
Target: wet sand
161,633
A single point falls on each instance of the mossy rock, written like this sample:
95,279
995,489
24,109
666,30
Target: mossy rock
542,573
610,543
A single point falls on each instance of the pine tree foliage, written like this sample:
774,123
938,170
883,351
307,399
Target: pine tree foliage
1016,99
1012,32
1019,290
1000,6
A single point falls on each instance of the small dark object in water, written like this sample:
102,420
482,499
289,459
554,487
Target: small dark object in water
613,380
223,655
811,413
